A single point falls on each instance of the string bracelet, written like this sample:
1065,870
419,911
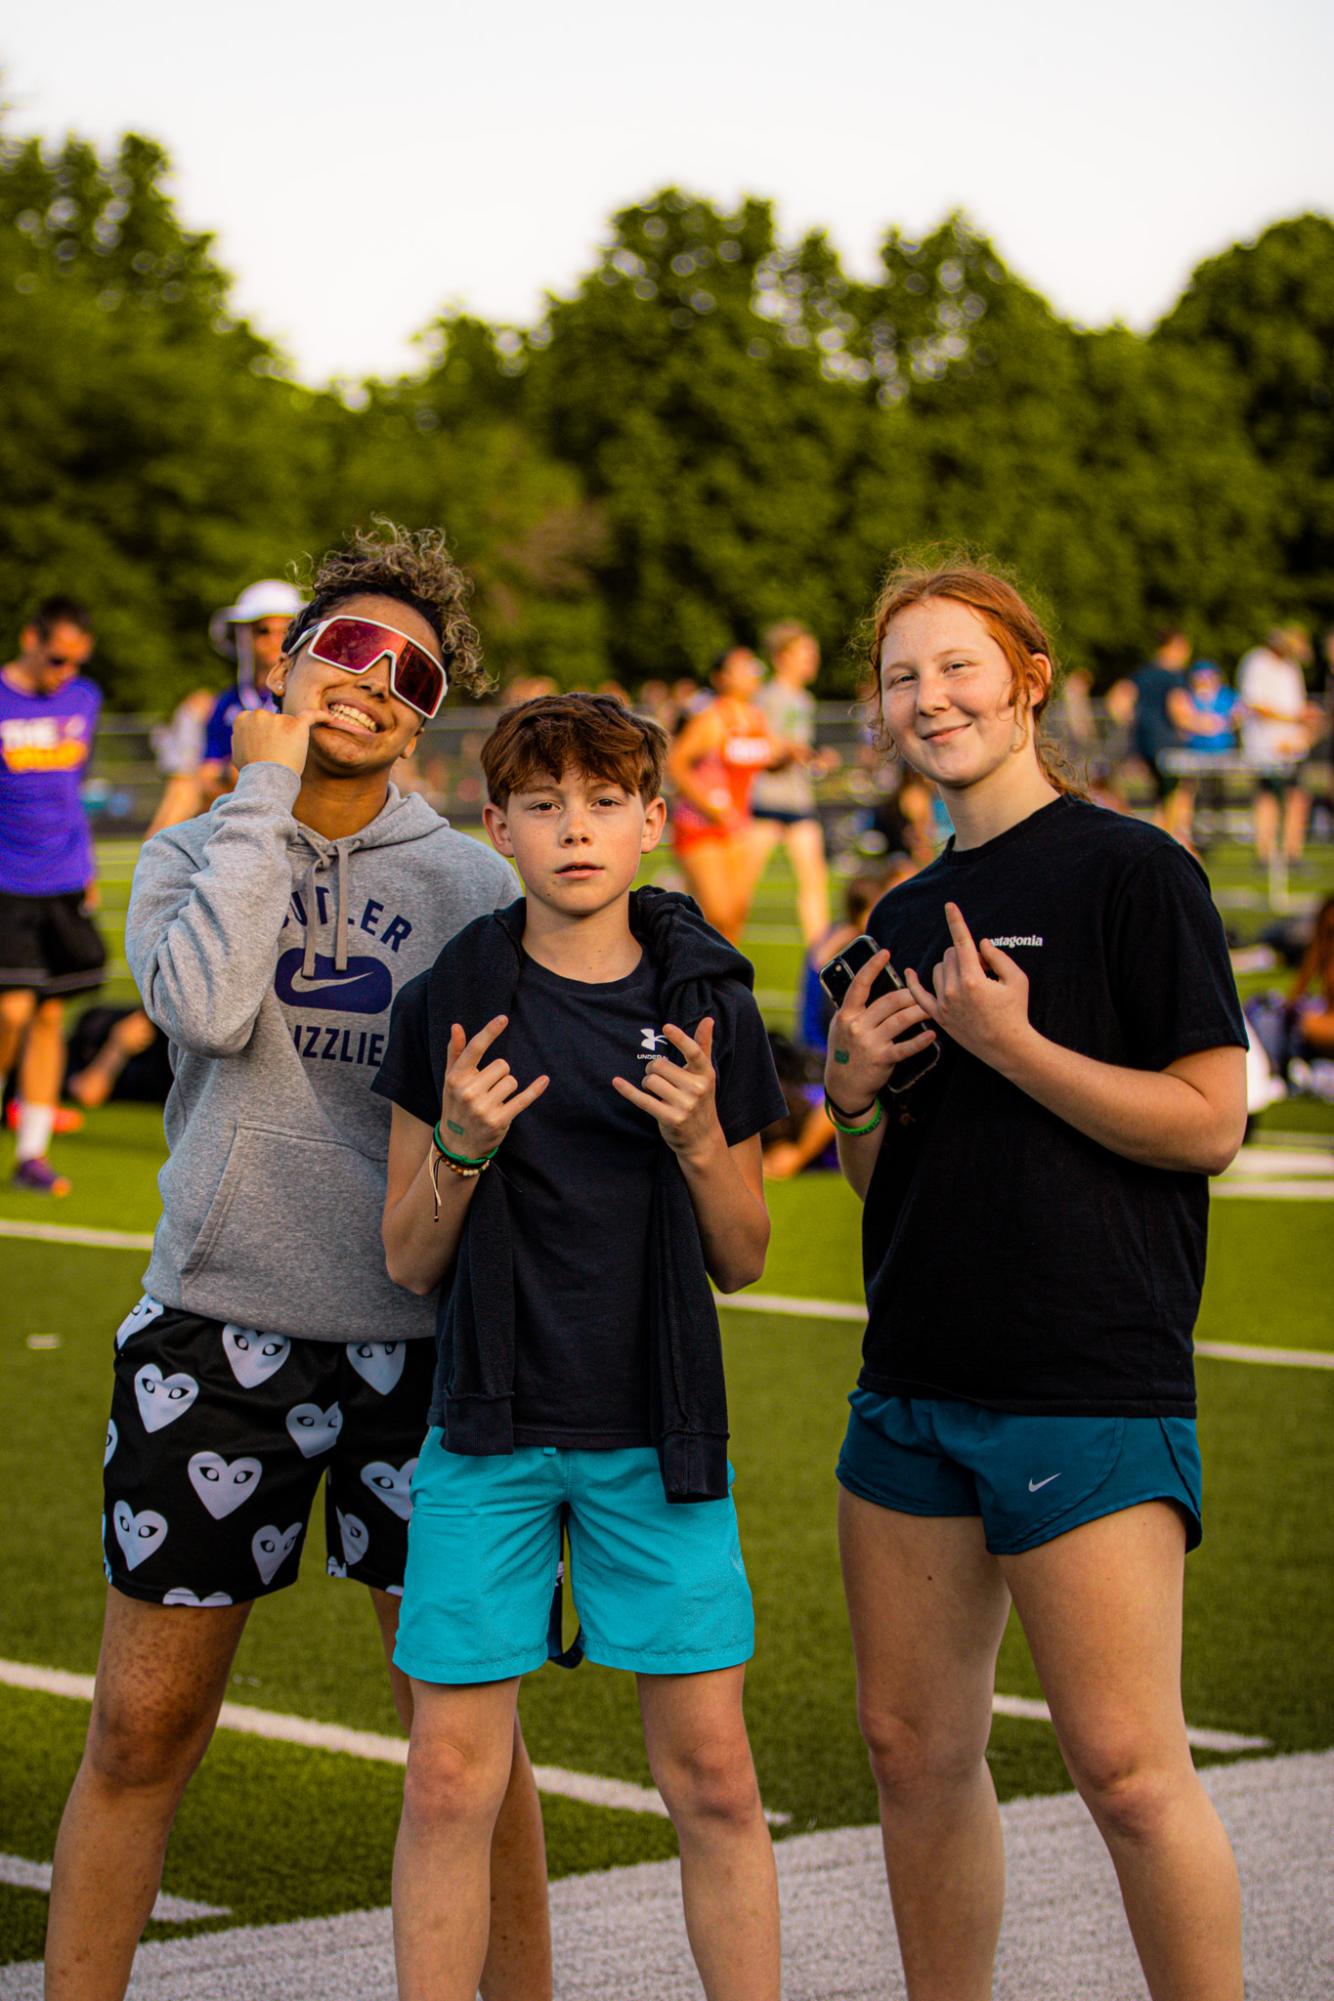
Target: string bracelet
467,1167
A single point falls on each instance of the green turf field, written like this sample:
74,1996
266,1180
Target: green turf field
1260,1617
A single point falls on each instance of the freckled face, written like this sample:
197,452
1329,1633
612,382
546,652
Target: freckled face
947,694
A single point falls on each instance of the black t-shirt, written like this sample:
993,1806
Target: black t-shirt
579,1167
1010,1260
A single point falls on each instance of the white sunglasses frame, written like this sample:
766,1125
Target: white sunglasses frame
312,637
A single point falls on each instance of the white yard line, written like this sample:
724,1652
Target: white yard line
1314,1190
22,1875
73,1233
585,1787
1027,1710
846,1310
582,1786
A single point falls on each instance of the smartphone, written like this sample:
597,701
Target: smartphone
838,976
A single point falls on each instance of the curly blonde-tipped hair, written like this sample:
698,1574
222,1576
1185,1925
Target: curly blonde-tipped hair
413,565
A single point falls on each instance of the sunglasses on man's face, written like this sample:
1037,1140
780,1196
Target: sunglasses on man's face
356,644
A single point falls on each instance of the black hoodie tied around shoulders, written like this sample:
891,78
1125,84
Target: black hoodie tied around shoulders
474,979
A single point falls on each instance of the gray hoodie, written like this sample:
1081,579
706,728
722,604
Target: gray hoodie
270,957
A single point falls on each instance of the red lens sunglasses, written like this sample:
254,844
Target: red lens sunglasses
356,644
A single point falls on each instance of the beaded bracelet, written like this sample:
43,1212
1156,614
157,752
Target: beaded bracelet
465,1166
837,1117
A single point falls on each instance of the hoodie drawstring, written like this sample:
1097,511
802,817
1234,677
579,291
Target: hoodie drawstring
312,918
340,912
313,913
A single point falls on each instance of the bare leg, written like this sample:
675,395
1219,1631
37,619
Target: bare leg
17,1005
43,1056
1296,813
700,1757
161,1679
805,845
1102,1610
928,1608
518,1957
93,1085
458,1770
1266,825
720,876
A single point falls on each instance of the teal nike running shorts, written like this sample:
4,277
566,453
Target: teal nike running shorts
1029,1478
660,1588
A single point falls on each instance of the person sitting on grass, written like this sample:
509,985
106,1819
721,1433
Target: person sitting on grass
579,1085
270,1350
1023,1427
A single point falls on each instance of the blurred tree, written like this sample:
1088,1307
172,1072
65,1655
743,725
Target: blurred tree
1268,306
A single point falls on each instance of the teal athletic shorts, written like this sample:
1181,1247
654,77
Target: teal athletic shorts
1029,1478
659,1588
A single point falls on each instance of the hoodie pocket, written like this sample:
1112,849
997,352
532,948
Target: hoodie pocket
294,1220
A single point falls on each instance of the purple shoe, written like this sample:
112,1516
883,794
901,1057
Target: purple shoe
39,1178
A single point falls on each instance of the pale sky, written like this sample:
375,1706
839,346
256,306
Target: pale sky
471,154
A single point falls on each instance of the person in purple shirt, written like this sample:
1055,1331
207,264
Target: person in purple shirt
49,946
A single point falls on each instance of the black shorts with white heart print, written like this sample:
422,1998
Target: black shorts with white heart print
218,1438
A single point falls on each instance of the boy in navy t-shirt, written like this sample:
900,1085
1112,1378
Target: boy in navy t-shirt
579,1086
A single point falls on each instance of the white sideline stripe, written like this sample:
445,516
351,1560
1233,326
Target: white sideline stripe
585,1787
842,1309
1028,1710
1262,1161
1279,1358
21,1875
582,1786
73,1233
1314,1190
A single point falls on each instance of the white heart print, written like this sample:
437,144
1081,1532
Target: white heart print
138,1535
379,1363
113,1439
138,1316
354,1536
271,1548
392,1484
254,1357
220,1486
182,1595
162,1399
314,1430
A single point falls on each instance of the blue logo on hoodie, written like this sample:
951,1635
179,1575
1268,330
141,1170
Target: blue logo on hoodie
363,986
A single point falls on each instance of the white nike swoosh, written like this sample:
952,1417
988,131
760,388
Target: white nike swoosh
302,983
1033,1485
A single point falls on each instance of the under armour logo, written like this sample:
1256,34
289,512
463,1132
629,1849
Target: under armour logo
651,1038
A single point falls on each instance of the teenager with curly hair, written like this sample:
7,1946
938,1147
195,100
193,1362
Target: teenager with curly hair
268,939
1023,1427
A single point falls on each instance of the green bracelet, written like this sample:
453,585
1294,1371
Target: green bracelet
836,1119
460,1159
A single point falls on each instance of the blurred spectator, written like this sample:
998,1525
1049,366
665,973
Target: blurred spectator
784,800
713,765
1279,724
116,1052
864,890
804,1137
1155,704
250,633
50,948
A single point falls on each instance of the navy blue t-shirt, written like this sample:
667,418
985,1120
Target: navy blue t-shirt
579,1168
1009,1259
1153,730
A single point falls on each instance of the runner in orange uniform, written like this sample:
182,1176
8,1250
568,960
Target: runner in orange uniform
713,765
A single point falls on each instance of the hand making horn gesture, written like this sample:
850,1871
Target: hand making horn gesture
480,1104
681,1097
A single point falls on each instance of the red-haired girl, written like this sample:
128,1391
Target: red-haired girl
1035,1207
